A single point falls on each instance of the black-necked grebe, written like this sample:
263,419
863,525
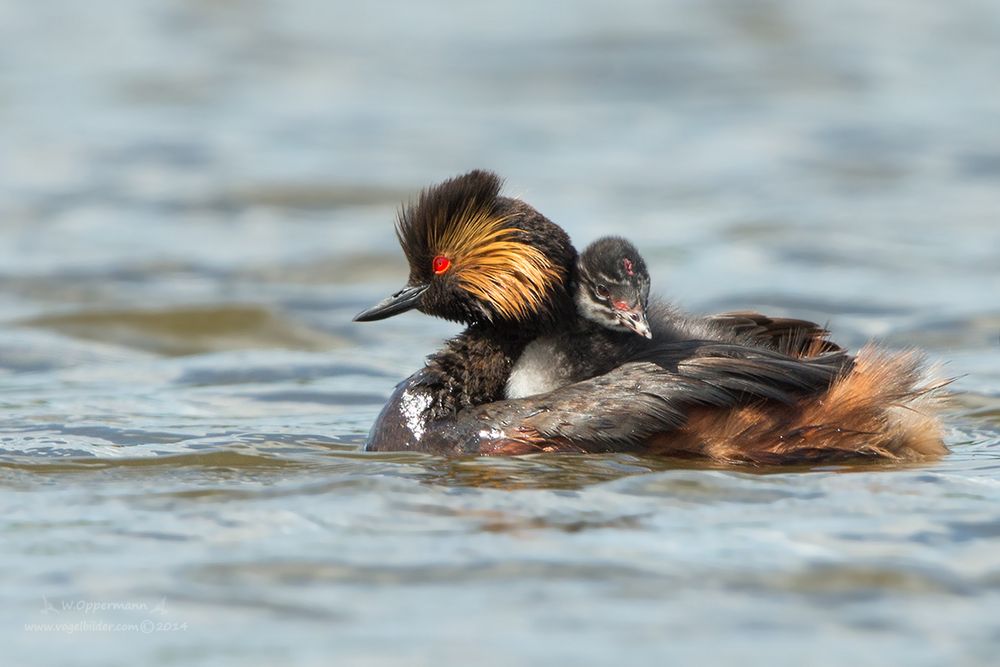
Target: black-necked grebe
732,388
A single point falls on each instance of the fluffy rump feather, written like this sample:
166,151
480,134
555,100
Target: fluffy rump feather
882,409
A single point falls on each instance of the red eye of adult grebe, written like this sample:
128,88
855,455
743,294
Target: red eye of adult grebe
441,264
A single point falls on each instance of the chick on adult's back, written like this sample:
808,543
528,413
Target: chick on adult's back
611,294
504,269
615,323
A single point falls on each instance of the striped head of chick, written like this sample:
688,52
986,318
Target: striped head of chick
613,286
478,257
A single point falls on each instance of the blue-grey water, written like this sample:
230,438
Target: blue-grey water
197,195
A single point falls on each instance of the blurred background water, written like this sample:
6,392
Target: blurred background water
197,195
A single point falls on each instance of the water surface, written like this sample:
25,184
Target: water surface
197,196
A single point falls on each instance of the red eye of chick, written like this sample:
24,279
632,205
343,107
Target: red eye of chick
602,291
441,264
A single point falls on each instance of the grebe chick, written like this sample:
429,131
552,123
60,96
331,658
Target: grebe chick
613,286
615,323
611,294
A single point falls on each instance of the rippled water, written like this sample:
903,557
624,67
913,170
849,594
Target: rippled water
197,196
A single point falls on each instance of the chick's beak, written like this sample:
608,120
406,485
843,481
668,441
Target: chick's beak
634,319
405,299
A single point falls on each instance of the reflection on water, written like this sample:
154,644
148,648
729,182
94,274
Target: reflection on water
197,197
187,330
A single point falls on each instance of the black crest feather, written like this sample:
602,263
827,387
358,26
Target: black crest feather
505,261
444,206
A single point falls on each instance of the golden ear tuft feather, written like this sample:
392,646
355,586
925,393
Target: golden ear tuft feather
490,259
494,266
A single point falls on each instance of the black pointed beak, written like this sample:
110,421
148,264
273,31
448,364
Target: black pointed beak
405,299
